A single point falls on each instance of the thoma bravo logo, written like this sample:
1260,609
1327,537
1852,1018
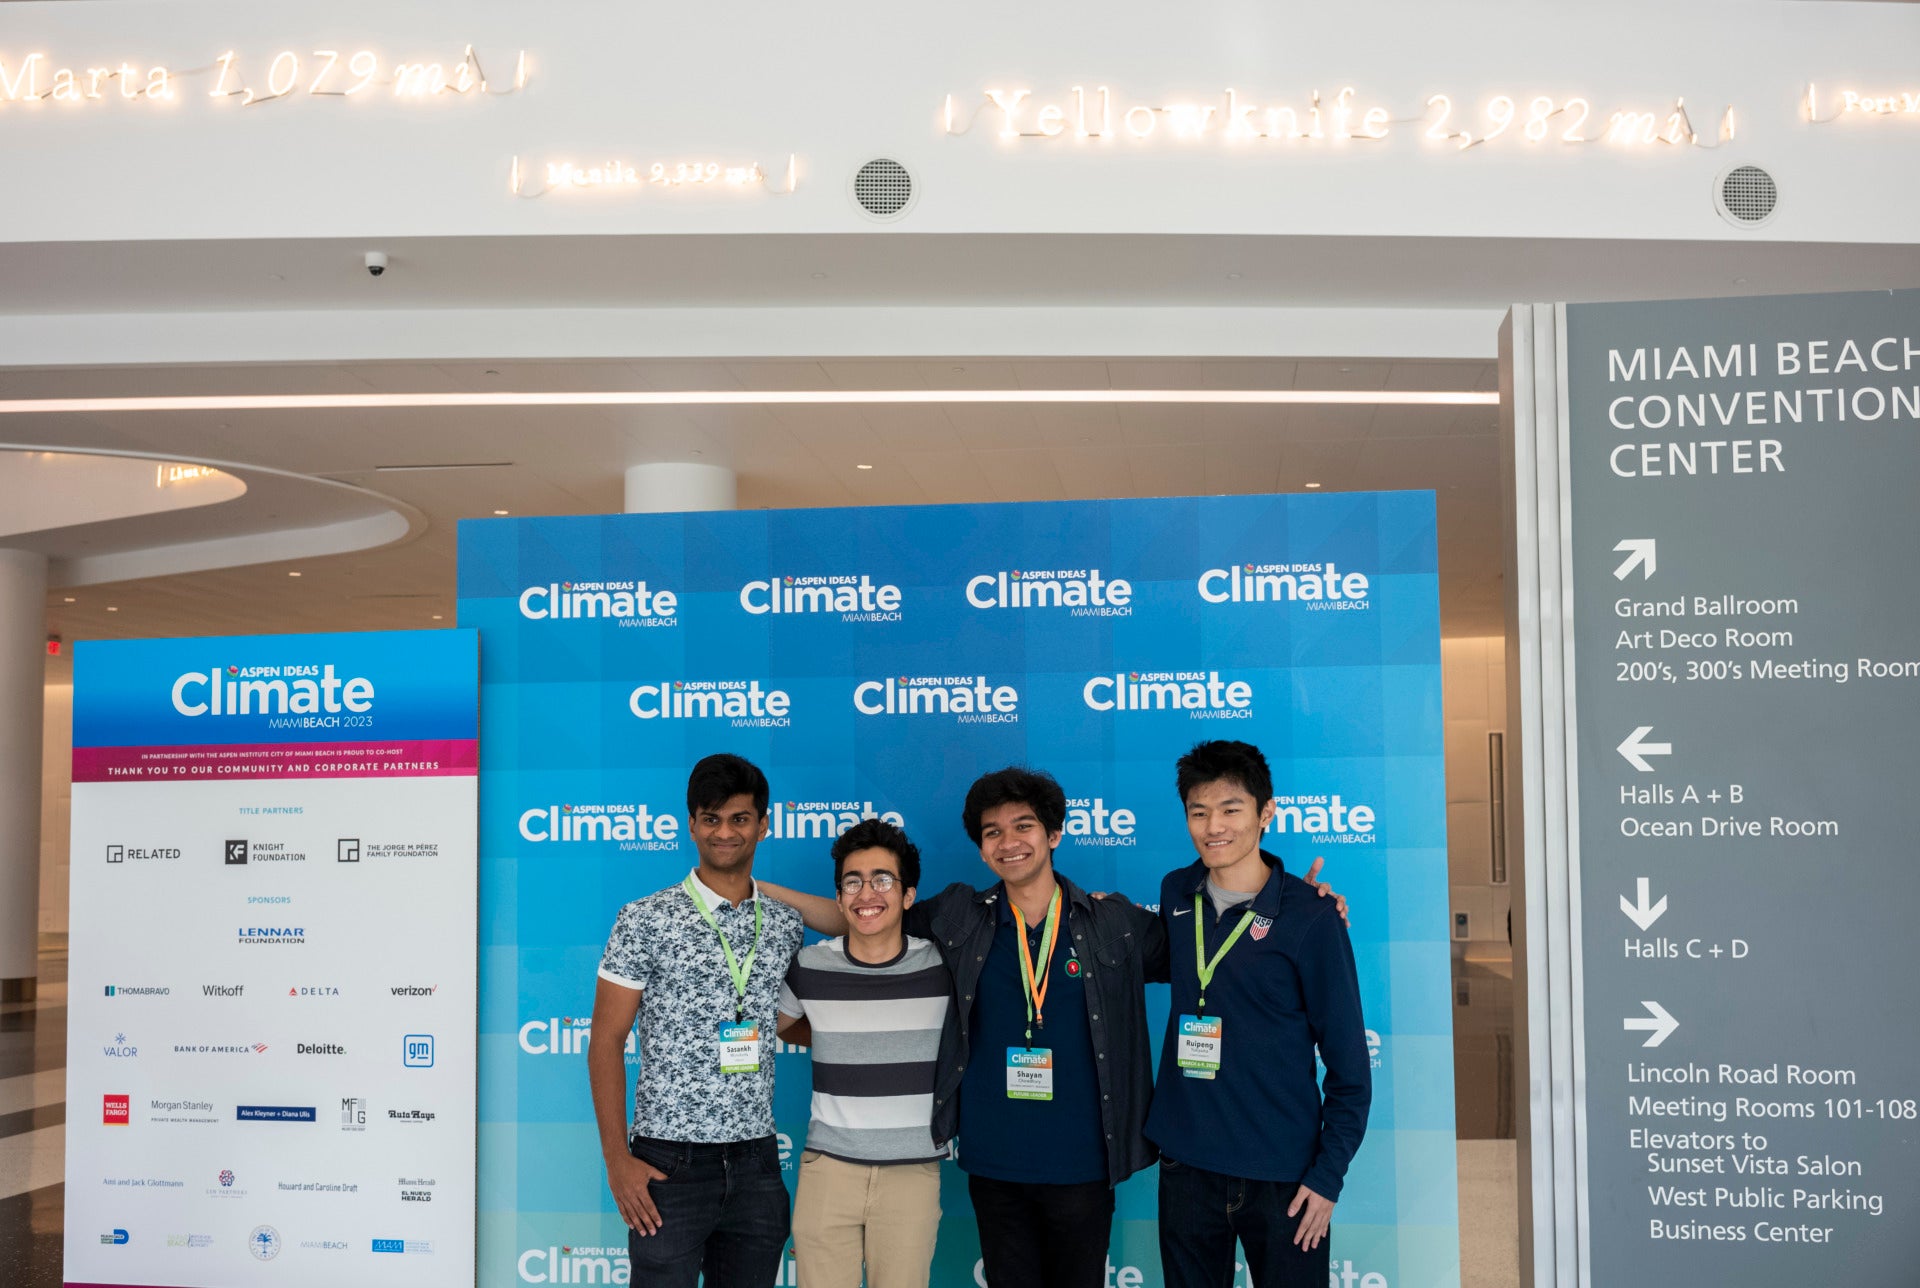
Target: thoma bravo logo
742,702
1203,695
822,820
1319,587
1082,591
969,699
575,1264
1327,820
1091,823
298,696
854,597
625,603
631,827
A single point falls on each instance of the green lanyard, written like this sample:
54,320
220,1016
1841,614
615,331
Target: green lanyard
1205,967
738,969
1035,978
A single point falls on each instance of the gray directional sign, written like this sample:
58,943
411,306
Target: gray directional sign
1745,545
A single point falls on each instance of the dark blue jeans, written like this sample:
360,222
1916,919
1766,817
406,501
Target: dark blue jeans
1202,1215
723,1214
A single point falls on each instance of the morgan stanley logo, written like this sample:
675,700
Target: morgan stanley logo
628,603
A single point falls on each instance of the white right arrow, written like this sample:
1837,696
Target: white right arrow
1643,914
1636,749
1641,556
1659,1025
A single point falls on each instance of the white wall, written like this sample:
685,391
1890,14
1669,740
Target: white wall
1474,699
56,807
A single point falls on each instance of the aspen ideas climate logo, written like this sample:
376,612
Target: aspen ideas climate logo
631,827
822,820
1316,587
299,695
1092,822
852,597
965,699
1203,695
1083,592
1326,820
624,603
744,704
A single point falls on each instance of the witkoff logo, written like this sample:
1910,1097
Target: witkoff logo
854,597
626,603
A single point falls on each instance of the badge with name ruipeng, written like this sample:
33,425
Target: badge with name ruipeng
1200,1044
739,1047
1030,1073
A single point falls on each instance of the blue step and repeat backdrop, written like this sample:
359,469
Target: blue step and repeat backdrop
875,661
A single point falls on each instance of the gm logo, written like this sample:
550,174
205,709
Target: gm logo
416,1051
349,849
236,852
116,854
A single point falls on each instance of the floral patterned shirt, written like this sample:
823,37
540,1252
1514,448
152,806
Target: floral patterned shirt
662,946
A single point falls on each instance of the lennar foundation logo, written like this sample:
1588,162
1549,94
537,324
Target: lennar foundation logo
822,820
305,695
968,699
1328,820
742,702
575,1264
1083,592
630,826
625,603
1090,822
271,935
1317,587
851,597
1203,695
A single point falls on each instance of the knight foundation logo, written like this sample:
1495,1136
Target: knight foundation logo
631,827
966,699
744,704
822,820
627,604
1316,587
1327,820
1082,592
850,597
1091,823
1203,695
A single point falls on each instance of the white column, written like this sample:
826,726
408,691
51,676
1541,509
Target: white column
23,675
669,487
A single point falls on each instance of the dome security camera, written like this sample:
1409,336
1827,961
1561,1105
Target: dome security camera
376,262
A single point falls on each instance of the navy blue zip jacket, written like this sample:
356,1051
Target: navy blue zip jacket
1286,987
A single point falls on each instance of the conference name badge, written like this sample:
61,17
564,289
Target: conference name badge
1030,1073
739,1046
1200,1045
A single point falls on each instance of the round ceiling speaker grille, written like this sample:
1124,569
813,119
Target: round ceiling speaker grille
1746,195
883,188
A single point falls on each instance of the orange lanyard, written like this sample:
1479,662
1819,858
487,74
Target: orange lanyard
1036,978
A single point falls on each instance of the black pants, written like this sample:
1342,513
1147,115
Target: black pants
1043,1236
723,1214
1202,1215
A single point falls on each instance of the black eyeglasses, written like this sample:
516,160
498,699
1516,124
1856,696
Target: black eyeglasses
853,883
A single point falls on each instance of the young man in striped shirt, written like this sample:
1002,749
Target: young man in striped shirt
872,1003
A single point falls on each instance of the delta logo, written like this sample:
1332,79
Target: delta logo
744,704
851,597
1083,592
576,1264
567,1035
314,990
627,604
1203,695
966,699
822,820
630,826
295,696
1316,587
1326,820
1090,822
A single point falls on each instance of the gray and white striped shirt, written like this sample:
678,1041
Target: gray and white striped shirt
876,1045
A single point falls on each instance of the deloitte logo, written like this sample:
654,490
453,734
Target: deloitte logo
1321,587
631,827
299,690
1082,591
575,1264
969,699
625,603
821,820
1203,695
743,702
854,598
1328,820
1091,823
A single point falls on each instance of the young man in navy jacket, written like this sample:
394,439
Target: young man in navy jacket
1251,1149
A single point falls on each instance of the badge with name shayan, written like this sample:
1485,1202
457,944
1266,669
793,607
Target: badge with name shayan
1030,1073
1198,1054
739,1046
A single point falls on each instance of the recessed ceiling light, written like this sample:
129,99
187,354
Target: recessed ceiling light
499,511
1233,277
112,609
863,467
293,574
70,599
436,617
1313,485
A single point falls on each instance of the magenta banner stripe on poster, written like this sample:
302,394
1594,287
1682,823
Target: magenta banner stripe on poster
416,758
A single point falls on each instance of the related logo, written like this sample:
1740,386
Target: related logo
314,990
116,854
743,702
223,990
264,1243
853,598
236,853
627,603
120,1049
139,990
414,990
1082,591
632,827
347,849
299,690
416,1051
1318,587
1203,695
274,1114
1091,822
353,1114
116,1111
318,1048
1328,820
575,1264
821,820
115,1238
271,935
968,699
140,854
1260,927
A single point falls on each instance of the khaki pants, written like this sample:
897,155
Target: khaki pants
848,1213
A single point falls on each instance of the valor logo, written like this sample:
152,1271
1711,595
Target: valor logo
1328,820
1090,822
1320,587
118,1049
1202,694
1083,591
854,597
631,827
822,820
743,702
625,603
303,695
969,699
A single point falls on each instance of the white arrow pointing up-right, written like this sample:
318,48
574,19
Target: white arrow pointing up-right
1643,913
1658,1027
1636,749
1641,555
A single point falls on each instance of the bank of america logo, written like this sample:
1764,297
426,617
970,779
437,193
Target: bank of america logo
236,852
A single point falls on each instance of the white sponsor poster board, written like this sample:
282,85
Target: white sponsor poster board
271,1045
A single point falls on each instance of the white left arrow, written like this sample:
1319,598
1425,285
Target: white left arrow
1657,1024
1636,749
1640,554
